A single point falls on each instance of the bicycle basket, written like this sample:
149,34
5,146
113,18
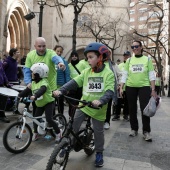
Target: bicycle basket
3,102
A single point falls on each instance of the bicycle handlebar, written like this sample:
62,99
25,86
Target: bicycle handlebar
85,103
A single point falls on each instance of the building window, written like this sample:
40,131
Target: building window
132,11
142,26
84,18
143,1
143,18
142,10
132,4
132,27
132,19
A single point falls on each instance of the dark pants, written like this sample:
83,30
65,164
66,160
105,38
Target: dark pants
122,101
125,104
77,94
2,114
157,89
60,102
48,108
108,113
144,94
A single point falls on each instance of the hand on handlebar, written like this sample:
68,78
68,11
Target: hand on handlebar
96,103
32,98
57,93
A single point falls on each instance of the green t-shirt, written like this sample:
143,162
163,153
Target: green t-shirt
158,81
84,64
122,68
33,57
94,87
138,71
46,97
73,72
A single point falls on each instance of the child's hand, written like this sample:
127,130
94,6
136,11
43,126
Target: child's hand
57,93
32,98
96,103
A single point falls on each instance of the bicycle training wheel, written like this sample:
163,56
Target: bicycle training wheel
11,140
59,157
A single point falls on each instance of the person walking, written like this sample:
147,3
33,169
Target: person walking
75,68
139,77
3,82
122,101
62,77
10,66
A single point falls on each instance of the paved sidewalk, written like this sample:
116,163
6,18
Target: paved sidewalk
121,151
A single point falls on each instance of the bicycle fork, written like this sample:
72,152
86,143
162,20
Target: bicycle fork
23,127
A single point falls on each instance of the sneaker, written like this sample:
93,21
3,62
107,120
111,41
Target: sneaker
106,125
17,112
115,117
133,133
35,137
126,118
99,159
147,136
5,119
58,136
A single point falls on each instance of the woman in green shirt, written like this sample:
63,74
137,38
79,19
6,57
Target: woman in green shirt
139,76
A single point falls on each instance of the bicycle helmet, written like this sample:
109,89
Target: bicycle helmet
41,69
99,48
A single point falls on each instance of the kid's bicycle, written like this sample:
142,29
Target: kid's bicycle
18,136
84,139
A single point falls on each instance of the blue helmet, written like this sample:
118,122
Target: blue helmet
99,48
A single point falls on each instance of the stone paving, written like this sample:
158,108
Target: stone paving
121,151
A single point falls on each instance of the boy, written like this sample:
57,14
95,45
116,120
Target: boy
98,87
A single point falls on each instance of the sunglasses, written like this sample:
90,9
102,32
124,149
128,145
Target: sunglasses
134,46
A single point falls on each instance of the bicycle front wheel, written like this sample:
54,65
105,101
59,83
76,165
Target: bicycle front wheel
12,140
59,157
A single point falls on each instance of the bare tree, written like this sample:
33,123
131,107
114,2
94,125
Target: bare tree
78,6
108,31
157,36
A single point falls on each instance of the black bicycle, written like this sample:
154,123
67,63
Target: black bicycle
84,139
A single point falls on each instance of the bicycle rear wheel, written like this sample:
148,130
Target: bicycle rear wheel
59,157
62,123
11,139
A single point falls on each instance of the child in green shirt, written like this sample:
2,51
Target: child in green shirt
98,87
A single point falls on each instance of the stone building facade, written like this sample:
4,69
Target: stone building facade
57,26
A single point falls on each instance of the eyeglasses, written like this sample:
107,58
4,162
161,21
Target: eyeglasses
134,46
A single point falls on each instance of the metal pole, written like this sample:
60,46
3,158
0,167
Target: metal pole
40,20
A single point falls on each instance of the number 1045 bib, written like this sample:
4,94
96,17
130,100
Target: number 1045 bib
95,84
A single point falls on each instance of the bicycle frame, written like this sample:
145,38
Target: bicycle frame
34,119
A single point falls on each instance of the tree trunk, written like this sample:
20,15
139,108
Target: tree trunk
169,84
74,29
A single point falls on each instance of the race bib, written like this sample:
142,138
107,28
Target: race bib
138,68
95,84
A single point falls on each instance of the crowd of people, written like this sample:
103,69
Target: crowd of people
47,74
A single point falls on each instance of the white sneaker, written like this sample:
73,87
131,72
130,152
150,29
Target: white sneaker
35,137
58,136
106,125
147,136
133,133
